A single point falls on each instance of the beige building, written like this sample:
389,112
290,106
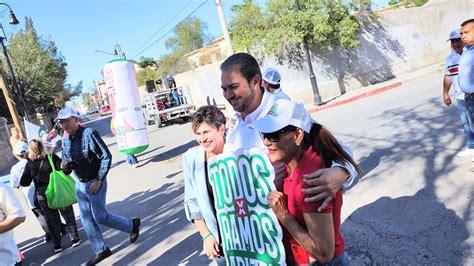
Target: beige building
216,51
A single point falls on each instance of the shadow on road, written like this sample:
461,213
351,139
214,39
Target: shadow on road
170,153
162,215
419,228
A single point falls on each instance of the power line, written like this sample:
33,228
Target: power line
153,43
166,24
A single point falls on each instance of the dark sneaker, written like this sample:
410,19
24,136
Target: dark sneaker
57,249
100,257
135,230
75,242
47,237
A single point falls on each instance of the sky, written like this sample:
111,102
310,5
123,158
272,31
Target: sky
140,27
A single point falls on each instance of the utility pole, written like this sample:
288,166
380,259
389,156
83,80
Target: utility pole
312,77
10,102
225,31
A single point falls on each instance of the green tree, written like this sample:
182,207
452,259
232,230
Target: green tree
189,35
319,22
393,2
145,74
40,69
246,23
147,62
87,100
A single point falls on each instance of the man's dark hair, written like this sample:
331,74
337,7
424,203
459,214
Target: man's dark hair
467,22
209,114
274,86
248,65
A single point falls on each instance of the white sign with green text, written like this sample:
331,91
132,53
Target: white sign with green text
250,231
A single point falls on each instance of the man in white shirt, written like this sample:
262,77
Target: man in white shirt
271,82
240,83
11,215
451,70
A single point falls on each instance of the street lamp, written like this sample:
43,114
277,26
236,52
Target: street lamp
312,77
117,52
13,21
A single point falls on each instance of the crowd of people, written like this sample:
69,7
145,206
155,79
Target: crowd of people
312,168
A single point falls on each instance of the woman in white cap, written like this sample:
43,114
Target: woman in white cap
292,137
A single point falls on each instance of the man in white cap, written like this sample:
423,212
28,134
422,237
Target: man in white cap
451,70
87,156
271,82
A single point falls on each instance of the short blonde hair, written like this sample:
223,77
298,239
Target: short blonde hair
36,150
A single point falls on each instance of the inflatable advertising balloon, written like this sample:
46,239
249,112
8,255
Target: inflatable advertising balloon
124,99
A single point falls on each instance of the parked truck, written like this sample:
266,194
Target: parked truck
161,107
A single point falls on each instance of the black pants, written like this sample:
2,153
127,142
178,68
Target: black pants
53,220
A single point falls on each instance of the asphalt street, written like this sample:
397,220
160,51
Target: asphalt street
412,205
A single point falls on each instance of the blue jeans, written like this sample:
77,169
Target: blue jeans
466,121
93,213
341,260
131,159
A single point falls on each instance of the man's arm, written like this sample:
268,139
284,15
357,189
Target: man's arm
326,182
446,87
98,147
11,206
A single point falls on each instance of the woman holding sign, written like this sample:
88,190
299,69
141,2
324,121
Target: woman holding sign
208,125
292,137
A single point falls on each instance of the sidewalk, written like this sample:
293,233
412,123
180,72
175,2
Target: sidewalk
371,90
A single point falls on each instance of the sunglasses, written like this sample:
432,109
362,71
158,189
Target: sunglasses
65,121
275,136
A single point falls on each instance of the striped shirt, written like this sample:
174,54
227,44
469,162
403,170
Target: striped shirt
90,156
451,68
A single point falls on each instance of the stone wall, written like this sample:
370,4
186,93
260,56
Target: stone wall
398,42
6,156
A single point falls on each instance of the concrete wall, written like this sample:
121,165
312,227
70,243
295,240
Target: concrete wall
398,42
6,156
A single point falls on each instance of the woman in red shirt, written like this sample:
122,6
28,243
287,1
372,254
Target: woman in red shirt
292,137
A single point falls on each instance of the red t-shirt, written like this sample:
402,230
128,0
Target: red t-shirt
310,162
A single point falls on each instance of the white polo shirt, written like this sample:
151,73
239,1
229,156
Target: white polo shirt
240,135
9,207
280,94
451,68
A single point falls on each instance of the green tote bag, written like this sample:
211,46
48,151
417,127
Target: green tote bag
61,192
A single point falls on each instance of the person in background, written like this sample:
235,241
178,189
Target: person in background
208,125
15,136
87,156
313,237
11,215
131,159
271,82
38,171
451,80
174,92
21,149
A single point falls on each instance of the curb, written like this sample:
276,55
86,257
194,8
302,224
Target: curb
354,98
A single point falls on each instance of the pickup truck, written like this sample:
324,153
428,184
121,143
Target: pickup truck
161,107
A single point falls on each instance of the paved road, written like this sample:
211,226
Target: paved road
413,204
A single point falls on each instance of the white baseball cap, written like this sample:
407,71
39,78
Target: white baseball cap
455,34
65,113
272,76
20,147
284,113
